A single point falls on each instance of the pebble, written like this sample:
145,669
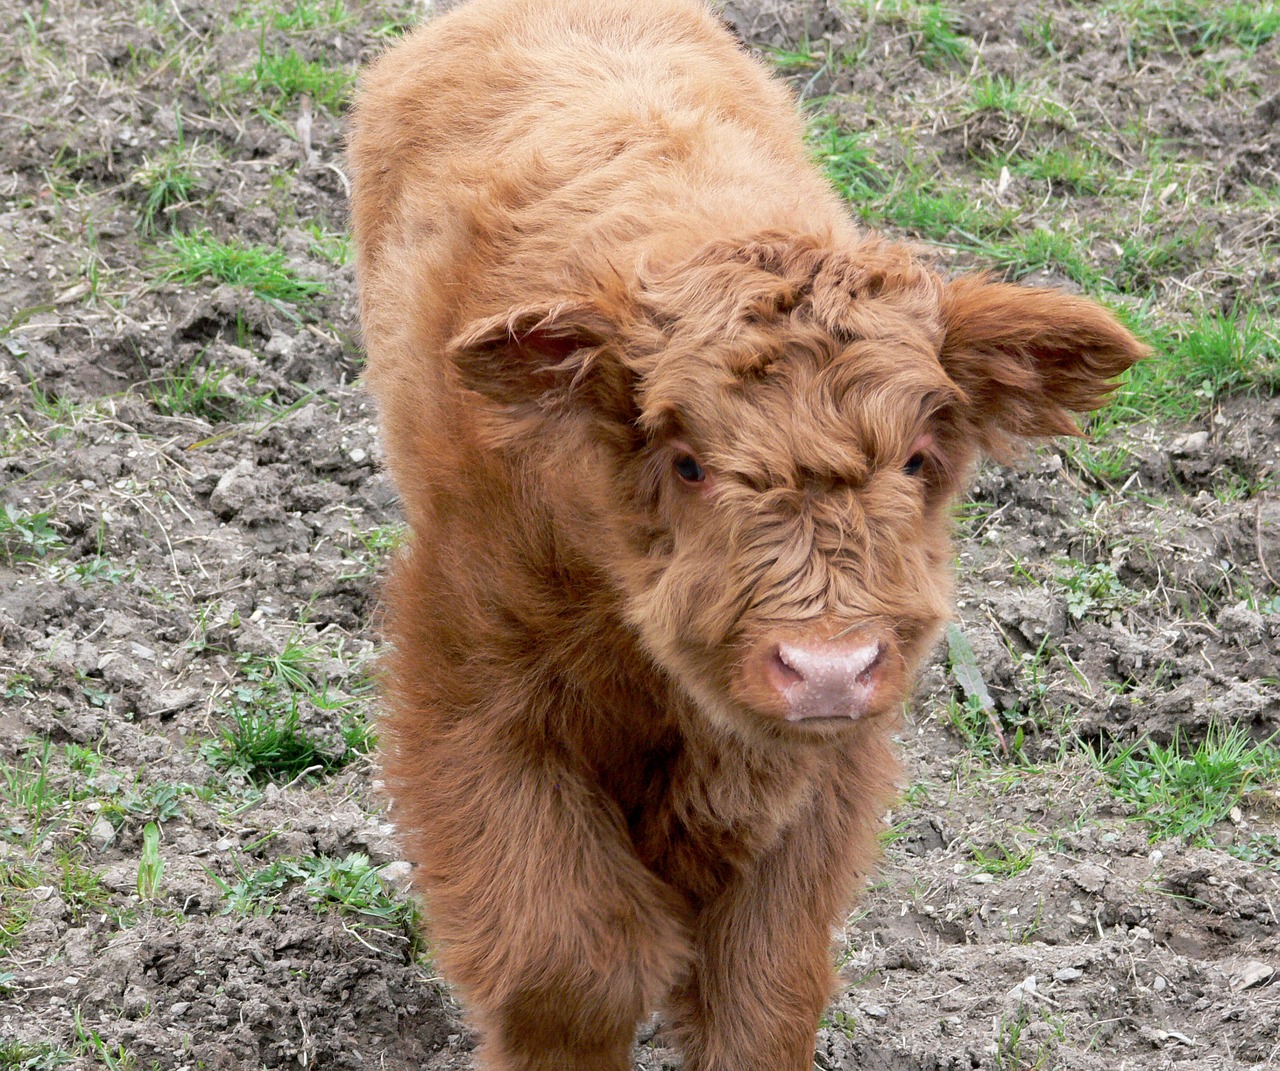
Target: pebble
982,879
357,455
875,1011
1159,984
1252,973
1025,988
1191,445
1067,974
395,875
102,832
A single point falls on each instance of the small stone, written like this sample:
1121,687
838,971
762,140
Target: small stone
875,1011
102,832
1088,876
982,879
1159,984
1067,974
235,489
1192,445
1025,988
357,455
397,874
1251,974
1156,857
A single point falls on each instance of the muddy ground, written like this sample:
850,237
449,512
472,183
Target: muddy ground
194,520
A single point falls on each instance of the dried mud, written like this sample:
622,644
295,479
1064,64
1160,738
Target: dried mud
185,548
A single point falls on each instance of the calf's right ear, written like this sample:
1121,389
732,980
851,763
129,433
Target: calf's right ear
1027,358
543,357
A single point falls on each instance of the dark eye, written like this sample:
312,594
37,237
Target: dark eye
688,469
914,464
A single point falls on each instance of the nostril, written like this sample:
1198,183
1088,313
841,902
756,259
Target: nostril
782,675
867,674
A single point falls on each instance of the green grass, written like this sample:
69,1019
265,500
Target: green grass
167,181
28,790
266,738
150,864
795,60
846,158
1196,363
349,885
81,889
298,16
996,93
27,535
1181,790
371,547
195,391
936,37
41,1056
1003,860
1093,590
1044,250
194,257
268,742
1080,170
1142,263
333,246
1197,26
16,881
284,77
941,215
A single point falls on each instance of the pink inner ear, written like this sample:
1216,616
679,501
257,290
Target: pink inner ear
547,345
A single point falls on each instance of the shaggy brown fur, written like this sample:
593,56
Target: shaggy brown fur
677,446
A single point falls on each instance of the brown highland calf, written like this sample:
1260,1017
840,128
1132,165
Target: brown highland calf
677,445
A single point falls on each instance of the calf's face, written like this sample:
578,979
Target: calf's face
773,432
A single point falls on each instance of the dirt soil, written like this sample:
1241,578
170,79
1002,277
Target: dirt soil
194,521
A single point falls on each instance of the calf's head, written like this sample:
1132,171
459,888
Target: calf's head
758,448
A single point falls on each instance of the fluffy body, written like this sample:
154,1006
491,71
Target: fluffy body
677,444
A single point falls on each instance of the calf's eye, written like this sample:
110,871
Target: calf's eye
914,464
688,469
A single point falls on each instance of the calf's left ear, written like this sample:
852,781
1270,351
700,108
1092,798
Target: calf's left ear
1028,358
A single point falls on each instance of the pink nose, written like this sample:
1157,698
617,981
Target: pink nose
831,679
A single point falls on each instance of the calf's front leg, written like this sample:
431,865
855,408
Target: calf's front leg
560,939
762,971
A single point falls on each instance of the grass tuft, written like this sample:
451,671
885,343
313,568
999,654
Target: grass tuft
25,536
1182,791
266,738
937,40
846,158
200,255
286,77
